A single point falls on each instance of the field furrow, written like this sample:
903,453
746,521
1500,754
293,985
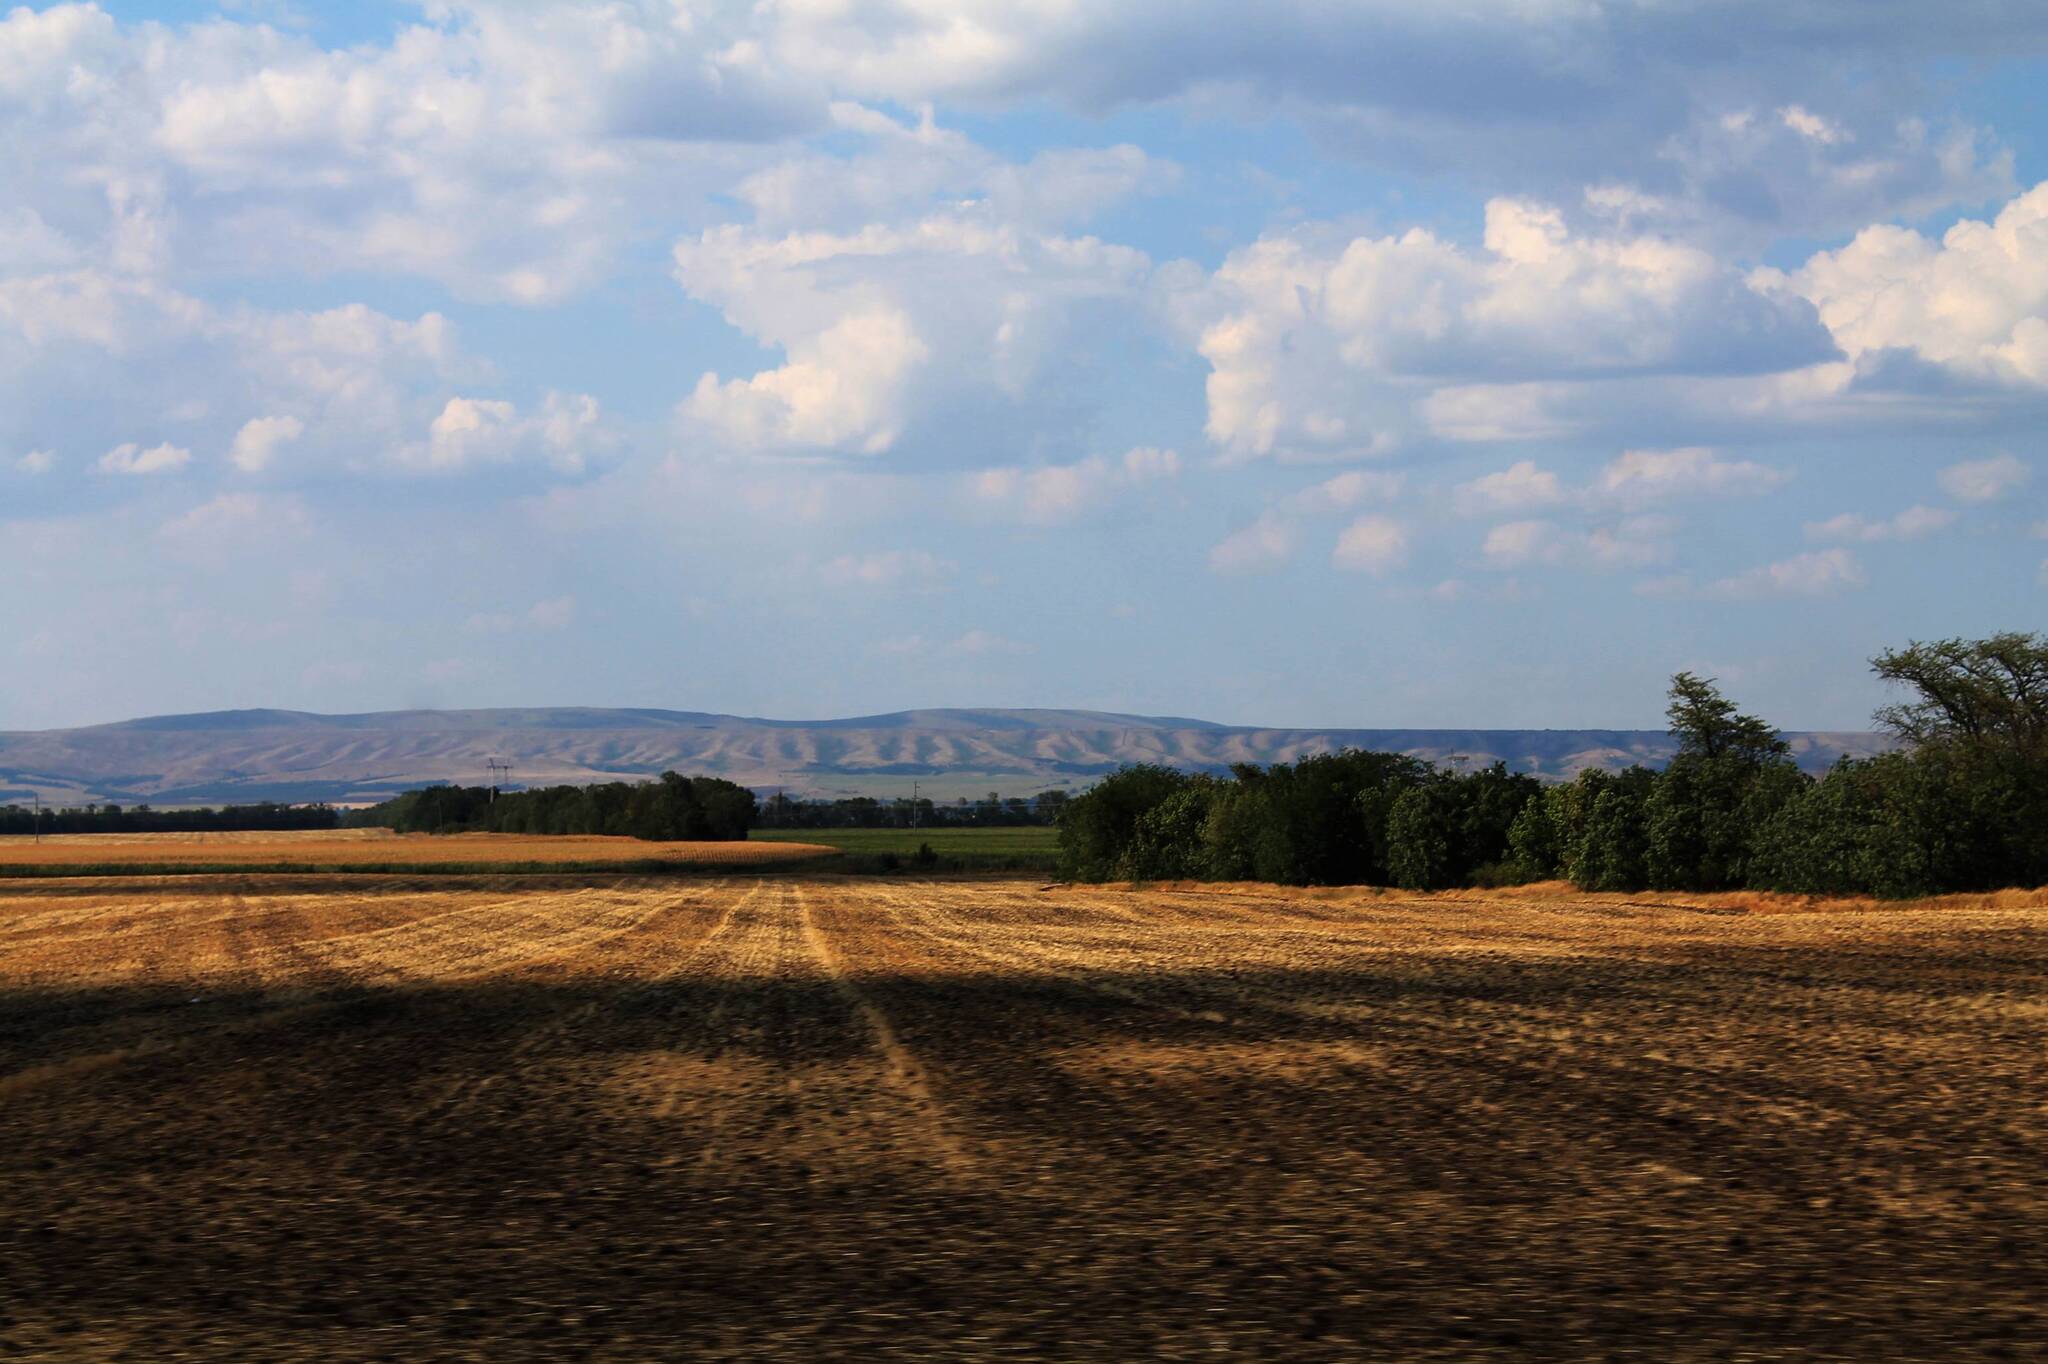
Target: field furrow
633,1116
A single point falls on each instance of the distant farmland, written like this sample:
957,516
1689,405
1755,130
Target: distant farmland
1013,848
736,1116
371,850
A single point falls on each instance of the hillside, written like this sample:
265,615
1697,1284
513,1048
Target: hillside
291,755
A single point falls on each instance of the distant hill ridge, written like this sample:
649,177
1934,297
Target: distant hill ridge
247,755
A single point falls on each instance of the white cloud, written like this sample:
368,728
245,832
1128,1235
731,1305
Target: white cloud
1513,544
881,324
1273,537
1983,480
36,462
131,458
887,568
1047,494
470,432
1538,94
1811,125
1519,485
1914,523
506,152
1332,349
1819,573
903,168
1372,544
1344,491
1642,476
259,440
1975,304
1266,543
100,353
1633,543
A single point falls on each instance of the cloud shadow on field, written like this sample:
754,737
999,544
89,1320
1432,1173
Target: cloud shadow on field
1712,1143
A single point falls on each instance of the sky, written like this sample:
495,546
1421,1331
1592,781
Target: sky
1369,364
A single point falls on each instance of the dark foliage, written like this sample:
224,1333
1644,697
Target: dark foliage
141,819
673,808
1965,808
866,812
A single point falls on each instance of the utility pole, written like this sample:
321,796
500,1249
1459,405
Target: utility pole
39,818
913,805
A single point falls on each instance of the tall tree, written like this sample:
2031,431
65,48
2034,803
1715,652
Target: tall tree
1707,724
1991,692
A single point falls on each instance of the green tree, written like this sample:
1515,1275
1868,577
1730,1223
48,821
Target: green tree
1421,835
1096,828
1533,840
1991,692
1701,816
1612,851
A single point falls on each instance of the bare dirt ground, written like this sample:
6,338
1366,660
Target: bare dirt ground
327,849
352,1117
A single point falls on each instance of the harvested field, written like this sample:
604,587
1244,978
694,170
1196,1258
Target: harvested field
372,849
745,1117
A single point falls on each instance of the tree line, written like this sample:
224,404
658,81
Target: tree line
1961,805
668,809
867,812
141,819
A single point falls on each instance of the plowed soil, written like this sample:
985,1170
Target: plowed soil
354,1117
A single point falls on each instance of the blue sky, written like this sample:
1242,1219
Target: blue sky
1302,364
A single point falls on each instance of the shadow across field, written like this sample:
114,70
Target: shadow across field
1696,1151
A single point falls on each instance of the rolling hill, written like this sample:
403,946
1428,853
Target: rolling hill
249,755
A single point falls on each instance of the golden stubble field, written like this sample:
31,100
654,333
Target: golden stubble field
790,1116
381,849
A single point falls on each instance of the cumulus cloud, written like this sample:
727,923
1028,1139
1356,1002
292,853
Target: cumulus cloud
1983,480
1633,479
36,462
1974,304
1344,491
1267,542
1372,544
1643,476
97,353
1328,349
505,152
1633,543
1781,127
1050,493
1519,485
1820,573
260,439
1914,523
953,308
901,169
131,458
1272,538
470,432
